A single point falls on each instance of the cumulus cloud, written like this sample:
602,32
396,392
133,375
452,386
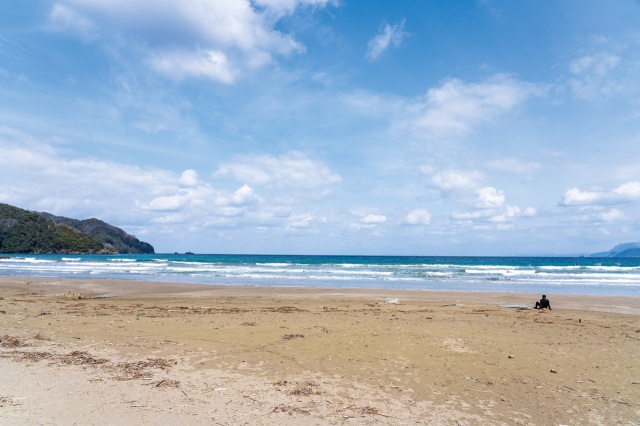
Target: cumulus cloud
450,179
166,203
373,219
243,196
189,178
491,206
575,196
417,217
388,36
175,198
38,176
190,38
456,107
625,193
489,198
291,169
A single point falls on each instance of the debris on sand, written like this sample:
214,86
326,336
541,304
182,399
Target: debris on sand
13,342
292,336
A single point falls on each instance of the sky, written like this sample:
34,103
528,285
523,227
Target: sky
474,127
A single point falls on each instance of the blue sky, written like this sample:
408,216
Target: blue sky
474,127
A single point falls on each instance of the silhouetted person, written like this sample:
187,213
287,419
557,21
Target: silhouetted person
543,303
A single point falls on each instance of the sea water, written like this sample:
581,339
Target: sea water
556,275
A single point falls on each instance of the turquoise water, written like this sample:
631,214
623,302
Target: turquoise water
559,275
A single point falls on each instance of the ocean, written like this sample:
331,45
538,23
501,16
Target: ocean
554,275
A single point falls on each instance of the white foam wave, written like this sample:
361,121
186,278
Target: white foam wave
29,260
390,275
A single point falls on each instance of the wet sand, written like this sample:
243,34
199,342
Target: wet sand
101,352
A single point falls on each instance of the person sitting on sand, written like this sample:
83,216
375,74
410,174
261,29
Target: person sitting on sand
543,303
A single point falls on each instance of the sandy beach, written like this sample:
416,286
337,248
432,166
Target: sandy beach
102,352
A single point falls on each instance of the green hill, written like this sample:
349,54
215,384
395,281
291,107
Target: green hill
22,231
114,239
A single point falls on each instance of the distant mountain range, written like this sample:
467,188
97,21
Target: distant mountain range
621,250
22,231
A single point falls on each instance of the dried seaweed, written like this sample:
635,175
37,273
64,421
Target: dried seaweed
80,358
165,383
369,410
13,342
33,356
306,390
292,336
282,408
284,309
124,370
139,369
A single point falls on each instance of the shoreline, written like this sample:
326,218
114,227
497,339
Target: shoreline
106,287
76,351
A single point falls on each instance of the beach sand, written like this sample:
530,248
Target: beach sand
102,352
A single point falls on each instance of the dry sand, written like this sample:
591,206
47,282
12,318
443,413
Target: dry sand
119,352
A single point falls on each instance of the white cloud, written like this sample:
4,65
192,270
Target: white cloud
575,196
598,65
292,169
243,196
490,198
189,178
417,217
39,176
450,179
373,219
206,64
592,76
303,221
456,107
46,178
208,39
625,193
628,191
611,215
598,216
491,207
168,203
389,35
66,20
511,212
287,7
179,199
504,214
